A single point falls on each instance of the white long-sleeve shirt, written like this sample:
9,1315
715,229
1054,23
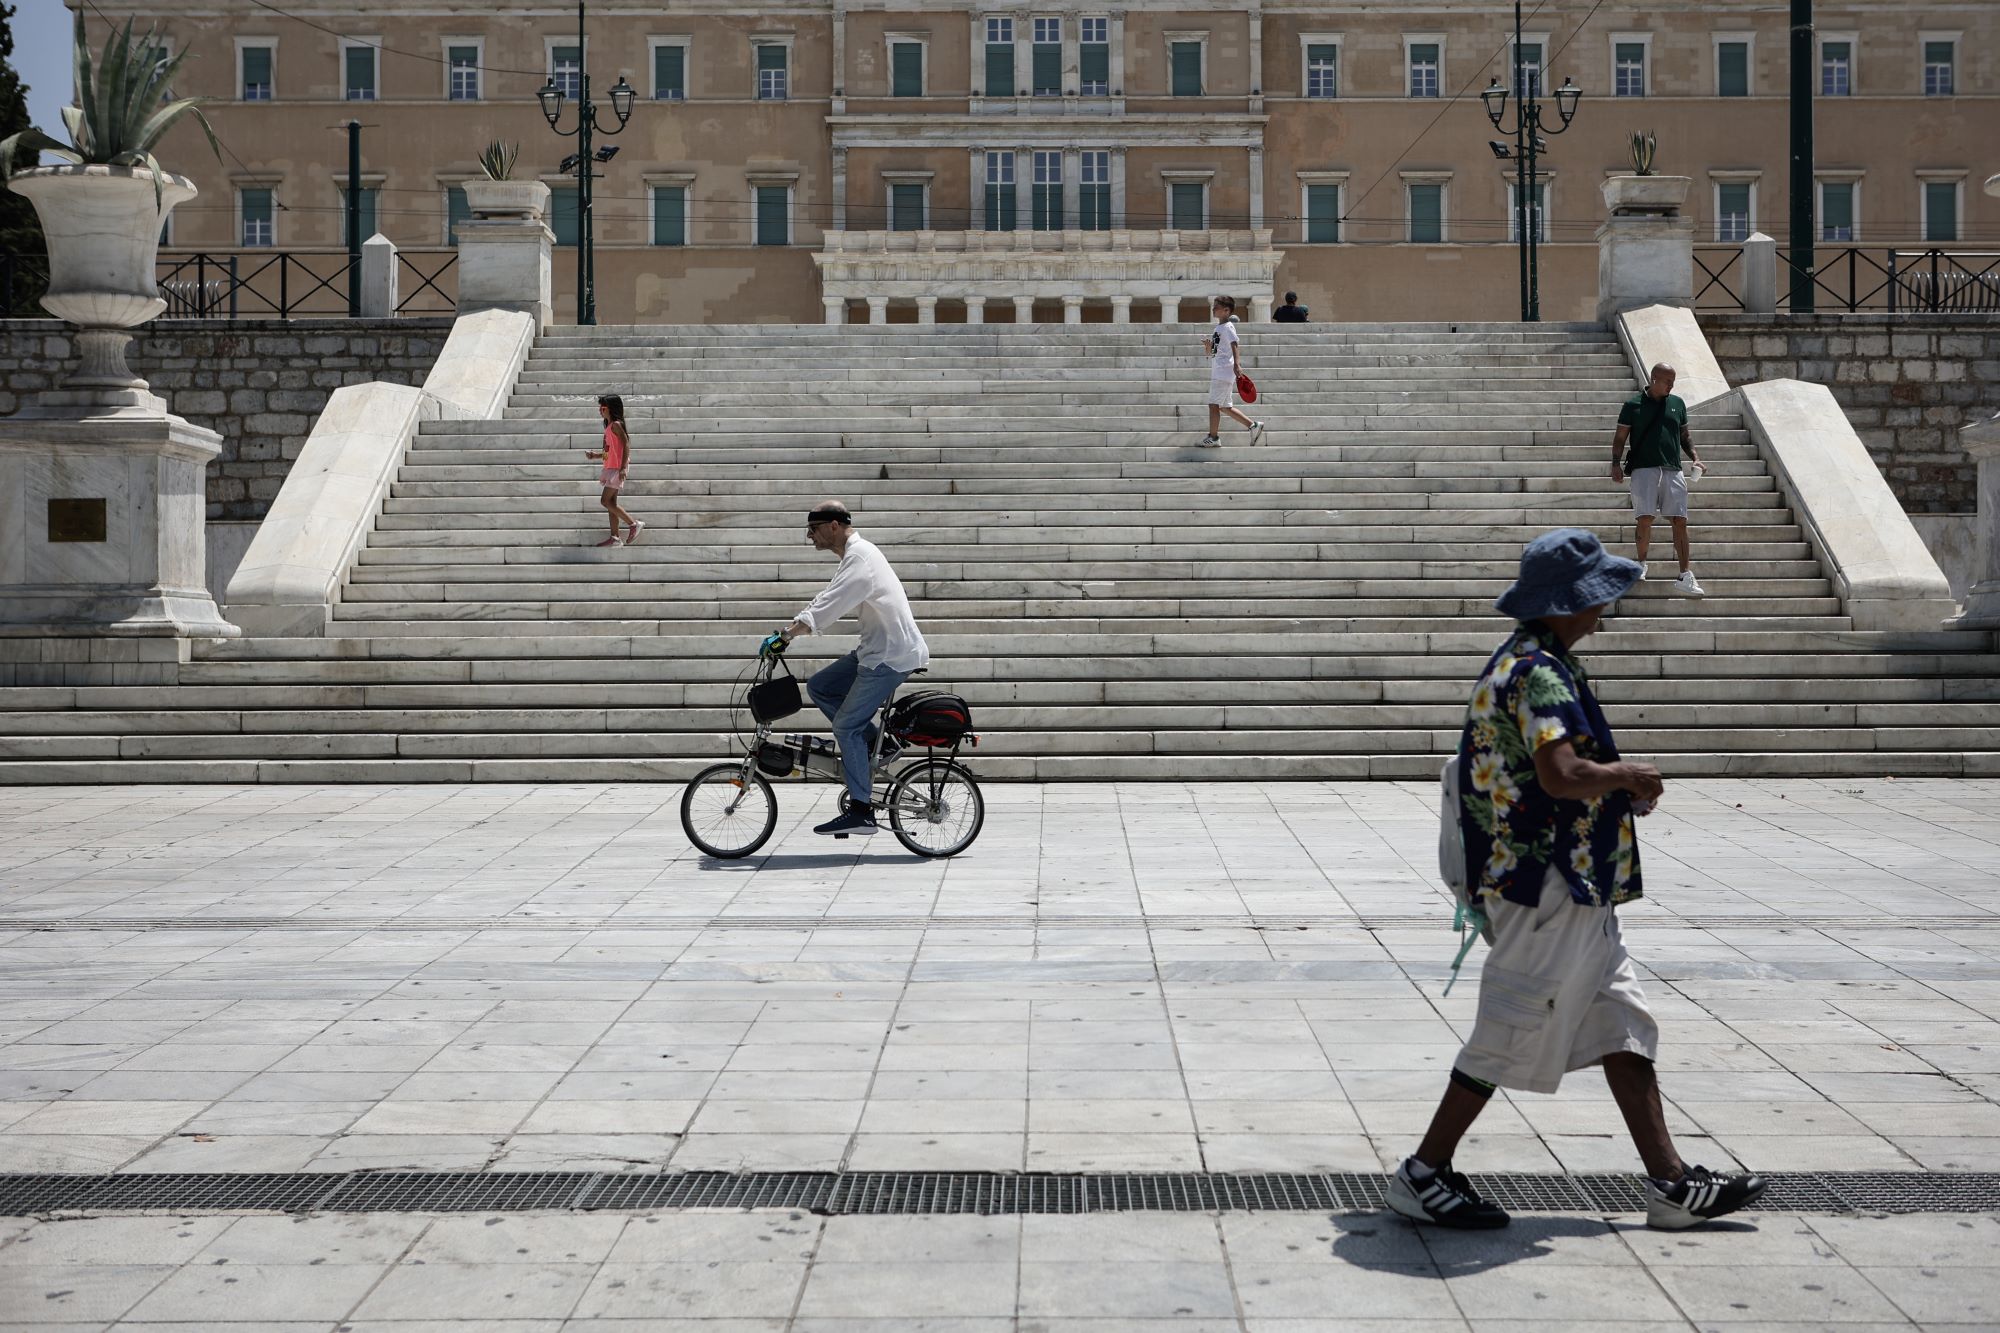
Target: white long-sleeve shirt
865,585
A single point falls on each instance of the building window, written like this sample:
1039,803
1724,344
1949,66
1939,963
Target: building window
258,207
1425,60
566,70
457,211
1322,70
670,204
670,72
1628,72
1186,68
359,64
1426,202
1940,212
999,192
1047,202
774,215
1538,211
369,195
565,219
1187,205
999,57
906,206
1836,211
906,69
256,62
461,73
1732,69
1734,215
773,76
1530,82
1836,69
1094,57
1322,214
1093,196
1046,65
1940,68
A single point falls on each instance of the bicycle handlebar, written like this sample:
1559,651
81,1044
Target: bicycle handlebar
774,646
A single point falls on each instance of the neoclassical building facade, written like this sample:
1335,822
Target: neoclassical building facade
1347,140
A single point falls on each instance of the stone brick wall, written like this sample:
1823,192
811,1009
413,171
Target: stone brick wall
1907,382
258,383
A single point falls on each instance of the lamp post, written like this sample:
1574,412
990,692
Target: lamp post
1525,153
585,161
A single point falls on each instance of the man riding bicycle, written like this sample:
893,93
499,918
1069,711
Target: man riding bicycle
852,690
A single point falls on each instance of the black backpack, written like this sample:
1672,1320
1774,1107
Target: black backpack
931,718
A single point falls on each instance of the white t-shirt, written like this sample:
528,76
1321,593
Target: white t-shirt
865,585
1220,342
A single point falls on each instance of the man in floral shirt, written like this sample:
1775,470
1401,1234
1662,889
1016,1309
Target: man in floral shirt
1546,810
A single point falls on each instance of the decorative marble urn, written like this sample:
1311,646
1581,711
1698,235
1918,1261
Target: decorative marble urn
506,199
1661,195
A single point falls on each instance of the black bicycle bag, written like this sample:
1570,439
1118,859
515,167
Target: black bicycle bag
775,699
931,718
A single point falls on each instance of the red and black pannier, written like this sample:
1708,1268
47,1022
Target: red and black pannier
931,718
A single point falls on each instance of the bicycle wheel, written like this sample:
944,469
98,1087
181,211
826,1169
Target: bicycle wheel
724,817
935,807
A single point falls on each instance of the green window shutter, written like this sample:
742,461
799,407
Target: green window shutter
906,60
906,207
999,69
1940,211
259,225
1836,210
670,72
1094,63
1732,69
1427,214
1048,214
1093,207
256,73
1186,202
456,212
564,219
360,73
1047,70
770,55
1187,69
1322,213
773,225
1000,208
670,215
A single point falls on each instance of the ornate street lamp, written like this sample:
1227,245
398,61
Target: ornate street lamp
1525,154
585,161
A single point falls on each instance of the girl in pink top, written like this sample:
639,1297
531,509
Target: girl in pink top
617,454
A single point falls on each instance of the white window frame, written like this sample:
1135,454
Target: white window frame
1718,179
1065,58
1541,39
1820,181
1926,179
758,39
1411,39
890,40
478,44
1853,40
1112,34
1175,38
1338,41
549,45
1640,39
370,44
890,180
1718,40
656,181
1545,209
1924,39
251,184
1338,180
770,181
1172,176
654,42
1441,179
271,44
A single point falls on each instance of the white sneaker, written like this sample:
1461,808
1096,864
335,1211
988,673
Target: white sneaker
1685,585
1256,431
1642,572
1210,442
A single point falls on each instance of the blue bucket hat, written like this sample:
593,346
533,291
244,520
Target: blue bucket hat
1564,572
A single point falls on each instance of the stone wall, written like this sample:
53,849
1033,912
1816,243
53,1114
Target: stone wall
260,383
1907,382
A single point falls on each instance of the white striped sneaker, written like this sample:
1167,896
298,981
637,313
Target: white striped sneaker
1443,1198
1700,1195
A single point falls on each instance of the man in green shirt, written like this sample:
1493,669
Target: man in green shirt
1653,423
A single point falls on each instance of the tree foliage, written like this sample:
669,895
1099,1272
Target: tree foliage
20,230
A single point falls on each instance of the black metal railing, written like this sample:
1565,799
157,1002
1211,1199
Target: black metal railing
433,272
1850,279
253,284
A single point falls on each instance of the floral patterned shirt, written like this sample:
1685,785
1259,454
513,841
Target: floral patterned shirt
1531,694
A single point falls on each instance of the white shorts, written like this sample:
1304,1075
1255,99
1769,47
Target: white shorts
1558,992
1222,388
1659,491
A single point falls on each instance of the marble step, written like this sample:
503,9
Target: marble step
1347,578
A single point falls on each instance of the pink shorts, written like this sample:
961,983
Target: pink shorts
612,478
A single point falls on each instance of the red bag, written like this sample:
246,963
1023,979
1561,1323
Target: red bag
1246,388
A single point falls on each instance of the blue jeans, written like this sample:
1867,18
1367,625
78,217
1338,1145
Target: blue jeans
850,695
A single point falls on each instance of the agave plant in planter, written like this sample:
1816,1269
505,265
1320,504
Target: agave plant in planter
1642,191
499,195
102,212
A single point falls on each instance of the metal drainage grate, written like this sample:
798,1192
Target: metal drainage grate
910,1193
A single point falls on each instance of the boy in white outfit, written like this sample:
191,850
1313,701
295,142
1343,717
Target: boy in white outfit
1225,364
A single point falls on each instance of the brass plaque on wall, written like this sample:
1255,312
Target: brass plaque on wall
76,521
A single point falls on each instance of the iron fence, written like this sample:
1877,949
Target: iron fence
254,284
1850,279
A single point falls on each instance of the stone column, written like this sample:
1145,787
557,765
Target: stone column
878,309
1256,188
927,309
1760,275
1645,249
975,310
1121,310
839,185
977,222
1072,309
1260,308
1024,310
836,309
1982,600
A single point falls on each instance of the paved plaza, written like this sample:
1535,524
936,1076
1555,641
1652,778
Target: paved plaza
1166,977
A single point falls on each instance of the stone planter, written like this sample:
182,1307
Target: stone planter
103,229
506,199
1661,195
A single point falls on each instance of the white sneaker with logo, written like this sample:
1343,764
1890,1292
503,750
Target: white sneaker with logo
1686,586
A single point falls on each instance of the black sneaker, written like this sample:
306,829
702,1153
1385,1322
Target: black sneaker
1700,1195
1443,1198
849,821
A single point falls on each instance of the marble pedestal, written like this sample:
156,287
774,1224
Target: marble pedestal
1982,600
1644,260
